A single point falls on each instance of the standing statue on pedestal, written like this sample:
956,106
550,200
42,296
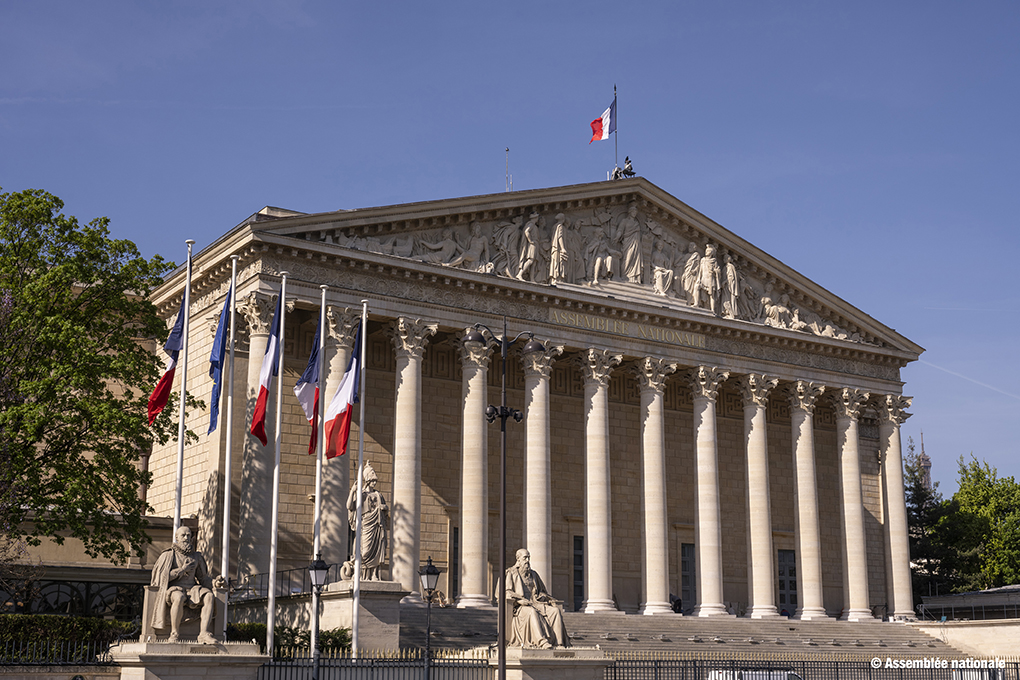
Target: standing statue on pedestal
537,617
183,580
375,518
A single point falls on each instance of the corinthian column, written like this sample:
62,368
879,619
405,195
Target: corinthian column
803,395
892,413
596,366
847,403
754,389
340,333
474,478
410,336
704,382
651,373
537,479
254,531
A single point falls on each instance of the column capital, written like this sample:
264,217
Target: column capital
848,402
540,363
651,373
803,395
473,354
892,408
257,309
755,388
410,336
705,380
596,365
341,323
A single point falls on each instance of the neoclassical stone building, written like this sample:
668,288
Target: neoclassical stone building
701,422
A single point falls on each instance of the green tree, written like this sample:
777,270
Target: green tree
74,377
988,514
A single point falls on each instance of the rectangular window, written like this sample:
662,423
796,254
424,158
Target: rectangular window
578,572
454,575
688,581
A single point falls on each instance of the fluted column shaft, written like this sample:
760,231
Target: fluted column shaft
803,396
410,336
892,414
537,462
704,382
651,373
755,390
254,531
474,478
856,607
598,555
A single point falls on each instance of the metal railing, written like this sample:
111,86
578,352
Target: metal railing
54,653
288,582
972,612
404,665
661,667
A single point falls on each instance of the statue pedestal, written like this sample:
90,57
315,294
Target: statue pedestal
186,660
571,663
378,613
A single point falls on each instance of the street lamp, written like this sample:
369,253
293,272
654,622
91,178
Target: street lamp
318,571
502,412
429,576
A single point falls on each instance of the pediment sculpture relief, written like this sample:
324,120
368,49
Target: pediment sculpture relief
603,245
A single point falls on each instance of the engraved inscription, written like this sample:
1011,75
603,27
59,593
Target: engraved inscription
629,329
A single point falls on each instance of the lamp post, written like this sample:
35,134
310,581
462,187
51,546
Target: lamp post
429,576
318,570
502,412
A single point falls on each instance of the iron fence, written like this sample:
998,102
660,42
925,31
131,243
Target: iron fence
54,653
973,612
648,667
405,665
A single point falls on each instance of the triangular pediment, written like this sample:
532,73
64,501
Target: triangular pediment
625,240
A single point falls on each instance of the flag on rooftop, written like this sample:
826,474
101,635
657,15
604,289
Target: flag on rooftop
605,125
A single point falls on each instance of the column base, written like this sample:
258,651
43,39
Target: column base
762,612
474,602
812,614
858,616
601,606
711,609
650,608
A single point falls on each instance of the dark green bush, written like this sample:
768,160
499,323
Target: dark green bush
41,628
286,637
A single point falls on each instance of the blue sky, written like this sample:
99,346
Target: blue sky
873,146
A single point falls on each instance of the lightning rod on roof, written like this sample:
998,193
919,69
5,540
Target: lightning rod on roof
509,179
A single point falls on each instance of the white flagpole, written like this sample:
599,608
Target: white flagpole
186,310
273,542
228,456
361,474
320,426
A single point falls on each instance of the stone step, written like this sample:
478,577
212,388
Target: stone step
621,633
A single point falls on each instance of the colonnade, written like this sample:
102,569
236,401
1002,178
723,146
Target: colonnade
410,339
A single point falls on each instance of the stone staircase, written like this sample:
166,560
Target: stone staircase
723,636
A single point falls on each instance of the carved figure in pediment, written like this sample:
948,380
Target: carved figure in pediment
692,269
506,240
706,290
732,287
534,252
600,258
628,235
560,254
575,246
476,256
777,315
443,252
749,302
662,269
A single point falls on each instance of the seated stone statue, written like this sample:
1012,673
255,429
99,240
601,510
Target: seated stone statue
537,618
183,580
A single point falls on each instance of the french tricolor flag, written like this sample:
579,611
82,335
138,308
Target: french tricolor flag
174,345
602,127
340,409
270,367
307,390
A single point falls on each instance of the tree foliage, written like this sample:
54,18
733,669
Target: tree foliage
74,377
